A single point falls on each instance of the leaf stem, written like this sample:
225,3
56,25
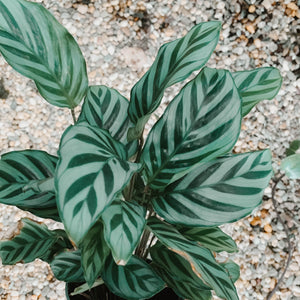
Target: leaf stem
73,115
286,230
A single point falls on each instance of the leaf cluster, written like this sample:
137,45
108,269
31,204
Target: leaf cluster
122,197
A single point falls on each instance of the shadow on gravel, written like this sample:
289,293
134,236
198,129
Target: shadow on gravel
3,92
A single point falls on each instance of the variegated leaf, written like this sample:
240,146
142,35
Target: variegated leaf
106,108
212,238
26,181
257,85
178,274
200,124
221,191
92,169
174,62
123,226
37,46
33,241
94,252
201,260
66,266
135,281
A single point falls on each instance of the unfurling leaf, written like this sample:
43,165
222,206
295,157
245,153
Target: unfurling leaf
37,46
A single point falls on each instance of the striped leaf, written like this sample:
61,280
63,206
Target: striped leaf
106,108
201,260
212,238
62,243
66,266
174,62
92,169
257,85
26,181
291,166
293,149
37,46
94,252
135,281
124,224
232,269
200,124
33,241
221,191
178,274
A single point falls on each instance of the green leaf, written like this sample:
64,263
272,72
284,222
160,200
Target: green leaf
294,147
66,266
178,274
200,259
200,124
85,287
94,252
135,281
221,191
174,62
106,108
212,238
257,85
92,169
233,270
33,241
123,226
62,243
24,182
291,166
37,46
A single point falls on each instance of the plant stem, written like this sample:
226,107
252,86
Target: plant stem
286,230
73,115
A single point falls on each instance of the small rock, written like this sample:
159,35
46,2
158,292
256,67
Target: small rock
250,28
251,9
267,4
83,9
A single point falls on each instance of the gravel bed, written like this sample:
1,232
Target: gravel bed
119,40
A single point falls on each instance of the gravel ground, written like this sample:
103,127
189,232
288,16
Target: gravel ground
119,40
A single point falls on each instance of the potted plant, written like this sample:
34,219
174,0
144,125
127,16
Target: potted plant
140,213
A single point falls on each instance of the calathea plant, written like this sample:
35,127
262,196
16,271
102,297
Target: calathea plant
138,216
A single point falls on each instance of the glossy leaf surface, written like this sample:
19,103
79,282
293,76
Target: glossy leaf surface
94,252
124,224
200,259
212,238
174,62
66,266
23,182
233,270
33,241
257,85
291,166
200,124
135,281
106,108
37,46
92,169
221,191
178,274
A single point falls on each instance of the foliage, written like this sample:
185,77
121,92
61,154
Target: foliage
122,201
